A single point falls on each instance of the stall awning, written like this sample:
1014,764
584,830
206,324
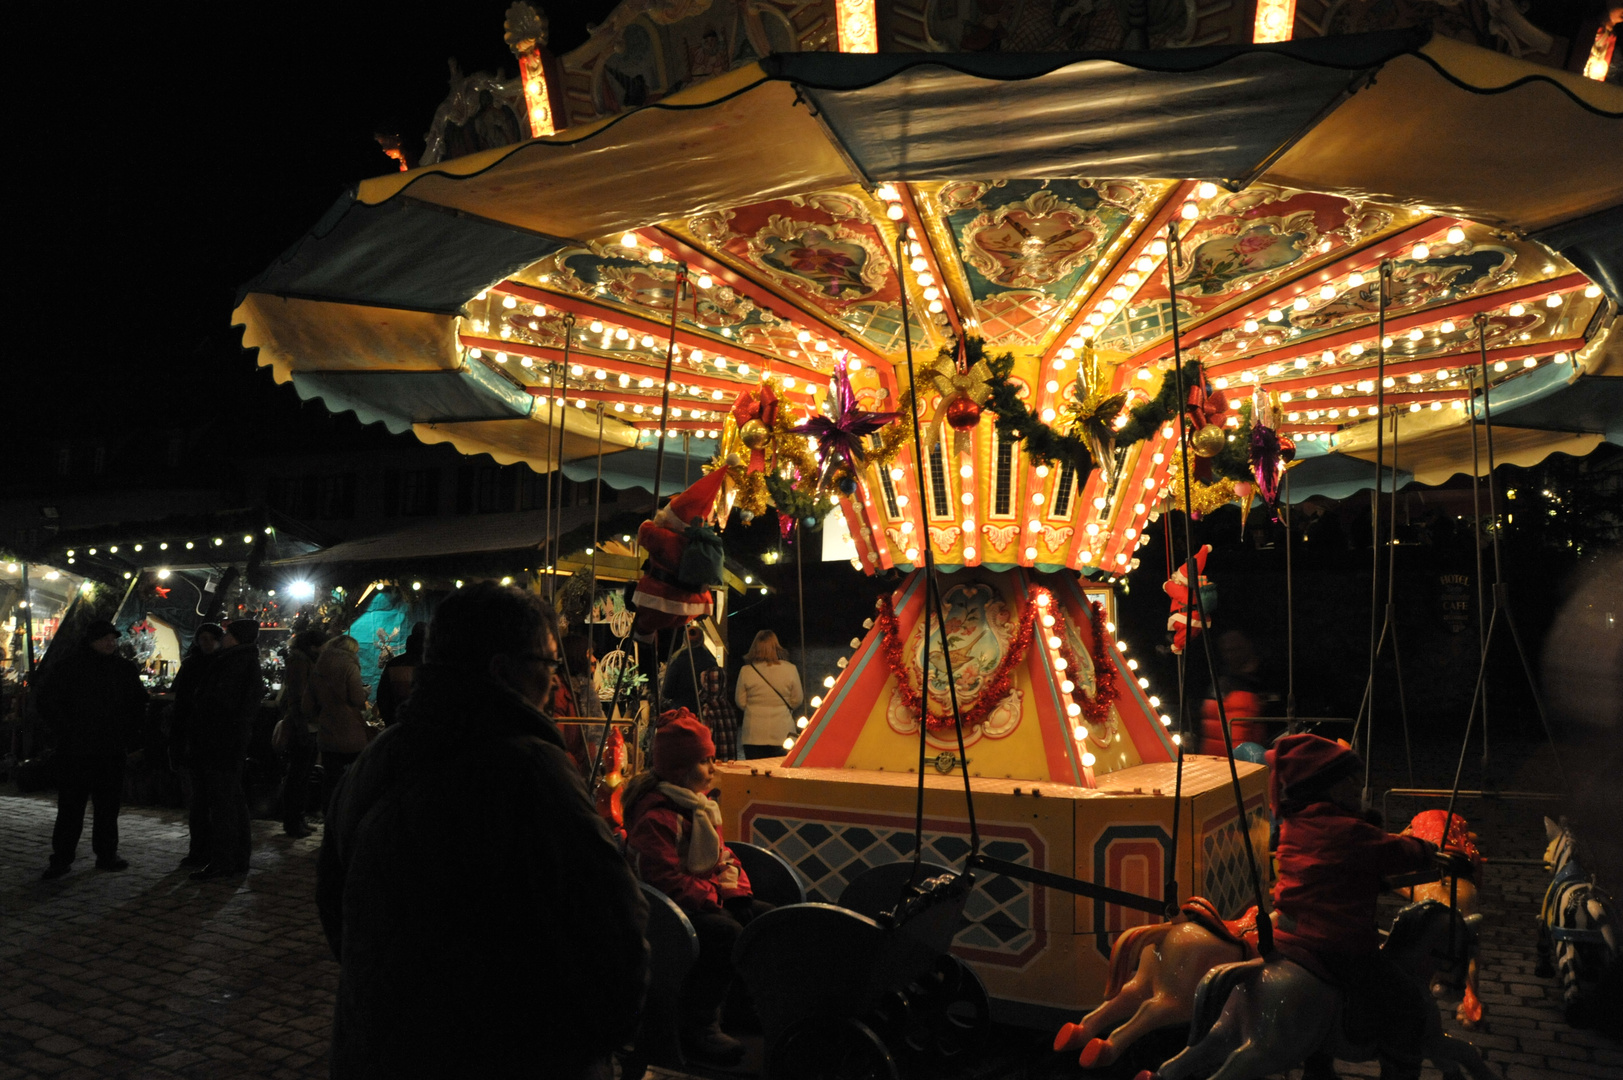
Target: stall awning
469,534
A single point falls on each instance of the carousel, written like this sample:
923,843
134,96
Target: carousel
1002,313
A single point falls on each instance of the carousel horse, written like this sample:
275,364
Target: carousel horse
1166,963
1155,970
1428,825
1260,1017
1577,929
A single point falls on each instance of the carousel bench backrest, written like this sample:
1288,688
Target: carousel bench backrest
771,877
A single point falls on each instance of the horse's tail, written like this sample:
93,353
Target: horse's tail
1124,957
1213,993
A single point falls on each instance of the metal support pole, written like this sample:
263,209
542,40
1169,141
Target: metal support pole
1265,931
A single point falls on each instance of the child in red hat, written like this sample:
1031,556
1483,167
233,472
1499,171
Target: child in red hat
673,830
1331,861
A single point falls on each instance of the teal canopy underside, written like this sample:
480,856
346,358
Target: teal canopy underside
399,399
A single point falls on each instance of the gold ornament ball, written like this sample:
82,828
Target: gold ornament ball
1208,441
754,434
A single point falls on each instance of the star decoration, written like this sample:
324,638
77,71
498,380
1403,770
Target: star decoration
839,435
1095,410
162,592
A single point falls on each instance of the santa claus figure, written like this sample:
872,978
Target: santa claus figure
1188,620
684,560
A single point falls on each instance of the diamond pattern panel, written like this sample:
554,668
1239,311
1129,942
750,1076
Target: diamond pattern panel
830,854
1228,873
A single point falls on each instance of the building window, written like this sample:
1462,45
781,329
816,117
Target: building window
1064,488
335,496
411,492
1003,479
940,491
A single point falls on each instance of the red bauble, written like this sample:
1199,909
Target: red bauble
963,414
1287,448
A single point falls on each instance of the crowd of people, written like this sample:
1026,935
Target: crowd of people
465,813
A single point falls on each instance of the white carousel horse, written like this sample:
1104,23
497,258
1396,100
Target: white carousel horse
1577,928
1261,1017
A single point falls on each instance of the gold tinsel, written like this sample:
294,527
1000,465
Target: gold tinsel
785,450
1206,497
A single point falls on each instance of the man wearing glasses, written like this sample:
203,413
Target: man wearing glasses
485,921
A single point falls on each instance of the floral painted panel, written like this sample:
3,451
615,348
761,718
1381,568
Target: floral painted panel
1026,245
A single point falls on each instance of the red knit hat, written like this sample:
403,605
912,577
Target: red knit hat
1303,765
681,741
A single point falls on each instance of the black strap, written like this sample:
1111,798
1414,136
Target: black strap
772,688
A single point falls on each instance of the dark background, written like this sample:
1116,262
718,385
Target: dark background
185,146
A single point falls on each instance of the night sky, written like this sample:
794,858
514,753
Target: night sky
185,146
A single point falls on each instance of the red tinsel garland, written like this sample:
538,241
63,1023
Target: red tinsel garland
1105,687
996,689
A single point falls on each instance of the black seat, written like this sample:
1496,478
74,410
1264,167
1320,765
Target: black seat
673,948
771,876
878,890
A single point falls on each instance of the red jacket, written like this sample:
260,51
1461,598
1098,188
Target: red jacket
1331,862
658,839
1235,703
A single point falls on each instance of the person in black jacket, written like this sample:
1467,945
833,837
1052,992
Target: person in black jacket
205,644
95,704
223,712
486,923
684,673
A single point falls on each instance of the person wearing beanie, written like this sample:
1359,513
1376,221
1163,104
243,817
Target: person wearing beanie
1332,858
673,832
224,708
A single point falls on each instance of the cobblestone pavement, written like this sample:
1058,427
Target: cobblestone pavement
144,974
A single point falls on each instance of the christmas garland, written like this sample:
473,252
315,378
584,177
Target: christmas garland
1106,686
1016,422
793,501
990,697
1146,419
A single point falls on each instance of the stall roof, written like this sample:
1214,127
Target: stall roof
462,535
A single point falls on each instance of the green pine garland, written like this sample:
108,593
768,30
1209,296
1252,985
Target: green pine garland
796,502
1017,423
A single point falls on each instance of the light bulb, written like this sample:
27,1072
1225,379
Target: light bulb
1420,251
1456,235
628,240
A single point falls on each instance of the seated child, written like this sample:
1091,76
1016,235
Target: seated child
1331,859
673,832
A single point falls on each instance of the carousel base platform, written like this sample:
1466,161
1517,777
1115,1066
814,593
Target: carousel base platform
1040,952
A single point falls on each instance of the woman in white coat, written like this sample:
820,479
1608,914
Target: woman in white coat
768,691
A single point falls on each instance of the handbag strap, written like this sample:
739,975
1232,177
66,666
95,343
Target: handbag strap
770,687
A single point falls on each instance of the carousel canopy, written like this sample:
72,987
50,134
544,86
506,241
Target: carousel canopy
520,301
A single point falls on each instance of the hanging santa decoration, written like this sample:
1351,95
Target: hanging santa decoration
1187,620
684,559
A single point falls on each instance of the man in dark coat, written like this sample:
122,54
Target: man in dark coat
95,703
486,923
183,722
684,674
223,710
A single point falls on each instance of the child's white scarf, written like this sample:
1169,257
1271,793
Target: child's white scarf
704,846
